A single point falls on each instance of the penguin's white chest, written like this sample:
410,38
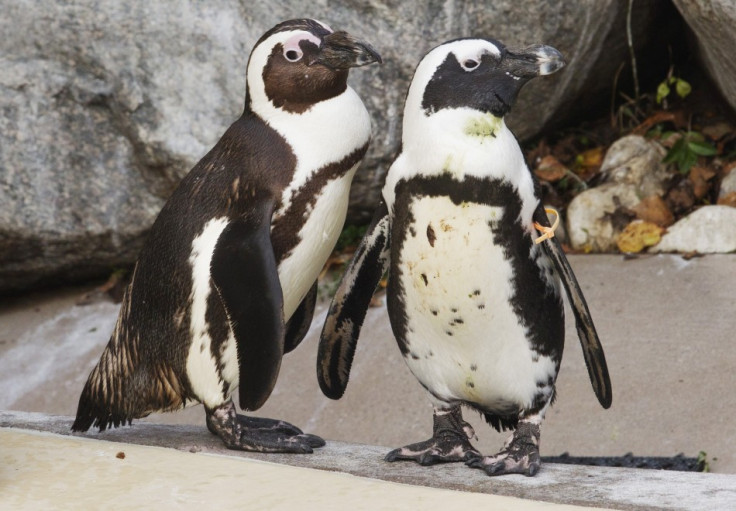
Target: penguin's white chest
318,234
465,341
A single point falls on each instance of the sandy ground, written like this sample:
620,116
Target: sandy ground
667,326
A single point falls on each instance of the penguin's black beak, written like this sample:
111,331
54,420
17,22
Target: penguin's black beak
516,68
534,61
340,50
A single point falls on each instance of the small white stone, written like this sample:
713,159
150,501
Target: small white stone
636,161
708,230
728,184
589,224
633,169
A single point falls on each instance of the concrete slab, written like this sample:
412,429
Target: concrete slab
33,466
47,471
666,324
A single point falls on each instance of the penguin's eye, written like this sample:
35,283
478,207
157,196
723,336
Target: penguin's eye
469,64
293,55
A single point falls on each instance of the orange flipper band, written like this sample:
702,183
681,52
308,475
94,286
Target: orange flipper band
547,232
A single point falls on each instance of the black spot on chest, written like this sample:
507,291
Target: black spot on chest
431,237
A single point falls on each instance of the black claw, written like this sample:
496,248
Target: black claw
392,456
495,469
313,440
472,456
428,458
239,432
449,443
519,456
475,462
269,424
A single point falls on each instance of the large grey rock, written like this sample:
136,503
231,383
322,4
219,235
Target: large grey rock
713,23
106,105
634,170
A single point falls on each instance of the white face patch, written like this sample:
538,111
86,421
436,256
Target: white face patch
201,365
325,26
470,52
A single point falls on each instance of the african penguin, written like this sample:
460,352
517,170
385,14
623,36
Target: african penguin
473,302
227,280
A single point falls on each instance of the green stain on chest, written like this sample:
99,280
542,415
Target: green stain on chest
483,126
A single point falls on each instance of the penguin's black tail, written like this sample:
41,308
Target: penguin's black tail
90,414
102,403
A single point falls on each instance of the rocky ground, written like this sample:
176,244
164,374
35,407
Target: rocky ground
656,176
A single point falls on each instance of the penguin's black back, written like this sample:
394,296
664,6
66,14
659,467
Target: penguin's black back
143,368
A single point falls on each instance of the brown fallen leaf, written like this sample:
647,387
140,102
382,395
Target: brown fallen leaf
638,235
113,289
728,200
728,168
677,118
654,209
592,158
718,130
550,169
588,163
700,177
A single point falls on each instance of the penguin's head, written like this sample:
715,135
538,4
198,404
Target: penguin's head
301,62
480,75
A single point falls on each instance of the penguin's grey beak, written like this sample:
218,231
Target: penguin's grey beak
534,61
340,50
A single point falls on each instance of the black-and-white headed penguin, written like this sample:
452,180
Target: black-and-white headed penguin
473,302
226,281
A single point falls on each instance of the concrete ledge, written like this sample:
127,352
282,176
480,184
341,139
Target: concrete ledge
599,487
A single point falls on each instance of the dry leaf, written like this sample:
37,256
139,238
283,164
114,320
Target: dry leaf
654,210
727,168
717,131
639,235
699,176
728,200
677,118
550,169
591,158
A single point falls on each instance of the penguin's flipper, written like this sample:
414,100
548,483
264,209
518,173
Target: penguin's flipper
350,305
244,271
299,323
595,359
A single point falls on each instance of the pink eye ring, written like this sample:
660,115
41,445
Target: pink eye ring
292,50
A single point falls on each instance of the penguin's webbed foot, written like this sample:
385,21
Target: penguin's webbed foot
520,455
258,434
450,442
